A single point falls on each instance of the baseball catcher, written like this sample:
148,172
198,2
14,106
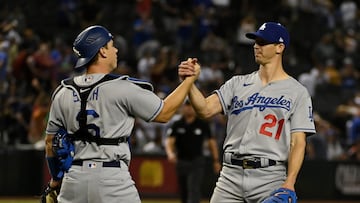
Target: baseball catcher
281,195
63,148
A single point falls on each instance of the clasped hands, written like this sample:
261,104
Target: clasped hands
189,68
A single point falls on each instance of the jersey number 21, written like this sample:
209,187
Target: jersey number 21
272,122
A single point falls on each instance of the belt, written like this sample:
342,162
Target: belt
248,163
104,164
251,164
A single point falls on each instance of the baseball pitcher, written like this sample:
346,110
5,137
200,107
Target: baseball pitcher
269,116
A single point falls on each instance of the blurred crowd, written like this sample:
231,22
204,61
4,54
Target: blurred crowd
153,36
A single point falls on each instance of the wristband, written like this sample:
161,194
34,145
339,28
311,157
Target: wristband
53,165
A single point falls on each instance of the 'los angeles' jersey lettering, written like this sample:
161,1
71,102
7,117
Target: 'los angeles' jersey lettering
258,101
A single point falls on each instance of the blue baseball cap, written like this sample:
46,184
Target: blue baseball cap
271,32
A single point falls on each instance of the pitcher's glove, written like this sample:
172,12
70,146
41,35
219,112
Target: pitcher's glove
50,194
281,195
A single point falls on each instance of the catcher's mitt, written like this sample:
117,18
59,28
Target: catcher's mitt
281,195
64,150
50,194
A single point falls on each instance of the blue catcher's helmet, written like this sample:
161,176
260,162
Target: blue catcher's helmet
88,43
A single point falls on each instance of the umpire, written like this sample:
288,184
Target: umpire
184,147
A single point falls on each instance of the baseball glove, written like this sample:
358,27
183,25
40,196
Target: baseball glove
64,150
281,195
50,194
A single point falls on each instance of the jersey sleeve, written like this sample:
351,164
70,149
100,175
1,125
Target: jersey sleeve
225,94
143,103
55,116
302,119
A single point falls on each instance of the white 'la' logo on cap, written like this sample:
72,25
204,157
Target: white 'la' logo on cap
263,26
281,39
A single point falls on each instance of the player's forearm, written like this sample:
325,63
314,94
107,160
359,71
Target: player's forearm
295,161
294,165
48,146
173,101
198,101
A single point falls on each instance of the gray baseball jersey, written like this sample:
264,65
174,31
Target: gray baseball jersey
261,118
111,108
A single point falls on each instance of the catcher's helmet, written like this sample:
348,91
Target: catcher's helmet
88,43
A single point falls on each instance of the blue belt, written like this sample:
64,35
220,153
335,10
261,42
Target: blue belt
104,164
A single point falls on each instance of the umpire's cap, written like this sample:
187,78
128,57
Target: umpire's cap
88,43
271,32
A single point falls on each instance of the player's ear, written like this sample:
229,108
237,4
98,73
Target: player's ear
102,52
280,48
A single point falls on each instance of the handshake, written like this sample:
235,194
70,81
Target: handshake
189,68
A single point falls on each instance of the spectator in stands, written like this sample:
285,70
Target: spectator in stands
206,21
327,144
171,10
243,45
354,151
145,64
16,112
313,78
38,120
155,146
213,48
64,58
3,59
42,66
149,137
144,29
349,78
335,148
185,32
211,76
354,130
316,145
349,112
324,49
348,12
164,72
